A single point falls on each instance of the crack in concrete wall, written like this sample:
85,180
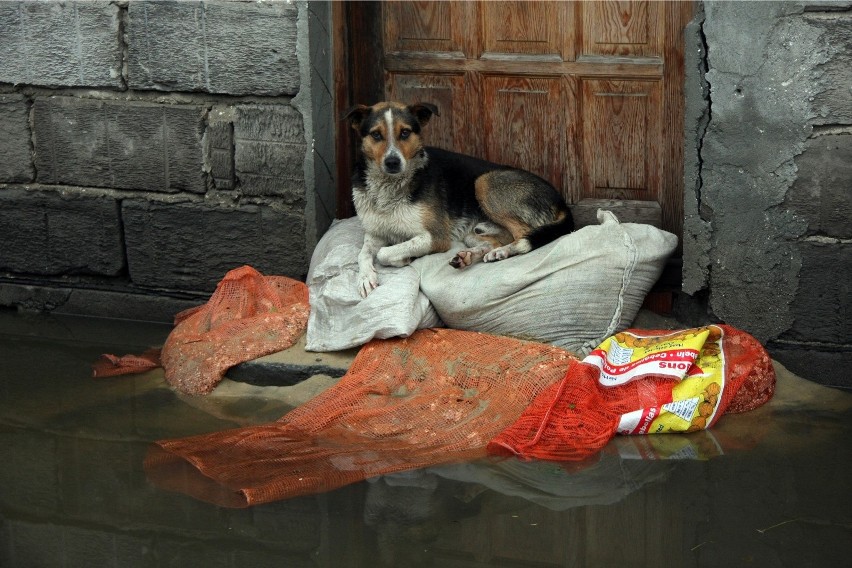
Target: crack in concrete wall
697,116
745,154
768,122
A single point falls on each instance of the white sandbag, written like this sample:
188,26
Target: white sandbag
339,317
573,292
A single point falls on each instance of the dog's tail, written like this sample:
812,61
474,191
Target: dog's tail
545,234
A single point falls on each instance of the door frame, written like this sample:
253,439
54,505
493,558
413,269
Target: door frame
354,82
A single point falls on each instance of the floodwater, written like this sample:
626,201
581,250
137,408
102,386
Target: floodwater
764,489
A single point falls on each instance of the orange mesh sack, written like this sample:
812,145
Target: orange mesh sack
643,382
436,397
112,366
248,316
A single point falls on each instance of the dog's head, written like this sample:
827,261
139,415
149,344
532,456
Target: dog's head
390,133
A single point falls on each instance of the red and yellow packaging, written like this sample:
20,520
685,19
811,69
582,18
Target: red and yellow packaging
694,357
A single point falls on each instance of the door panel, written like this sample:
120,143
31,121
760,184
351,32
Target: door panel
447,92
522,28
427,27
586,94
623,28
620,120
519,116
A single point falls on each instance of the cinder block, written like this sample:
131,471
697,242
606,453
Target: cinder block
190,246
109,304
60,44
219,147
821,193
822,309
50,233
833,102
237,48
824,365
119,144
16,164
270,151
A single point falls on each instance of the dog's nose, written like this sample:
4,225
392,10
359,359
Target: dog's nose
392,164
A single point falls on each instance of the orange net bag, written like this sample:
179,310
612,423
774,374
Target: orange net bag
248,316
112,366
436,397
680,387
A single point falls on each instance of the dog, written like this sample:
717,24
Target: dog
415,200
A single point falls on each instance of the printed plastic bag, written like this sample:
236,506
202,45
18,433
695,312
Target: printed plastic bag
643,382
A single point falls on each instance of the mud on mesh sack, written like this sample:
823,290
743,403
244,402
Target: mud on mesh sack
249,315
436,397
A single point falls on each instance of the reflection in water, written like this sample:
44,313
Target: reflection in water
772,491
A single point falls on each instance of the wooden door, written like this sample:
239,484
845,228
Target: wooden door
589,95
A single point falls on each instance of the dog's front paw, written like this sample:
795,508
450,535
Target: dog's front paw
369,281
388,257
462,259
497,254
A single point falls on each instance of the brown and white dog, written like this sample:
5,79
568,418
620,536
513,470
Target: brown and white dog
415,200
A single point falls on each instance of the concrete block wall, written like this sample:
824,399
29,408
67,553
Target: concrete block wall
58,44
768,226
148,147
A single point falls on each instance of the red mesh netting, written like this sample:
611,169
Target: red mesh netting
111,366
248,316
577,416
436,397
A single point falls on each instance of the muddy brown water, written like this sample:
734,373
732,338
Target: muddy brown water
766,488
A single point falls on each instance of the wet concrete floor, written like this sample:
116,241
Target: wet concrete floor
767,488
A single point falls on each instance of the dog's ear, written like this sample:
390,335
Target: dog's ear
423,112
356,115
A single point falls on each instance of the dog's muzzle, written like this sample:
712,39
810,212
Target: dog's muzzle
392,164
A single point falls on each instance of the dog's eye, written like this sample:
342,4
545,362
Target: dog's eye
376,135
404,133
